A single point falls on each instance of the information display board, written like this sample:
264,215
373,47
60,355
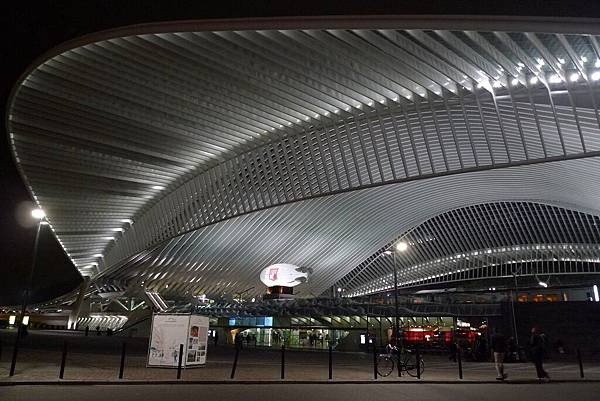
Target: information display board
169,331
197,341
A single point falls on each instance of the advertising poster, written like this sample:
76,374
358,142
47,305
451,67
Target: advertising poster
197,341
168,331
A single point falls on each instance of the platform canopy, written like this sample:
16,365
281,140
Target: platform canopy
183,158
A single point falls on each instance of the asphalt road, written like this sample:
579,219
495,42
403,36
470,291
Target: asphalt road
292,392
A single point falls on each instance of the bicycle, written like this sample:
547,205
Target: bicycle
408,362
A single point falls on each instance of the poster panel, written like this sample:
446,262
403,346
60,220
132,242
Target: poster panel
168,331
197,343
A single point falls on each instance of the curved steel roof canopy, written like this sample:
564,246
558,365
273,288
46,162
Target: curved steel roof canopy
194,154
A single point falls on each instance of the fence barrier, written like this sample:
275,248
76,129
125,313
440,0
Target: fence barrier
283,361
580,363
330,362
235,361
63,361
374,362
122,365
418,361
458,355
179,362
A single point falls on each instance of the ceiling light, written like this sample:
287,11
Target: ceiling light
584,59
497,84
561,60
158,187
388,252
542,284
533,80
402,246
38,214
574,77
597,63
555,79
128,221
97,255
119,229
595,75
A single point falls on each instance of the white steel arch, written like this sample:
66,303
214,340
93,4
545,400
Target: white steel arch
131,138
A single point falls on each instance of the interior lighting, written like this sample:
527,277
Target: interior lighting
514,82
497,84
554,78
542,284
339,289
584,59
38,214
119,229
97,255
596,296
25,320
402,246
597,63
595,75
574,77
533,80
158,187
128,221
388,252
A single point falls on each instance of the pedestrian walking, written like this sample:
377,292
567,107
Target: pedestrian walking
453,350
498,345
537,344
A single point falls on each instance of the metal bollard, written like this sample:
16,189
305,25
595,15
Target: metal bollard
283,362
418,361
235,361
330,362
580,363
122,366
458,355
13,363
374,362
180,360
63,361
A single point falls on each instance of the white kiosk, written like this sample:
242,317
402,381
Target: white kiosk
171,330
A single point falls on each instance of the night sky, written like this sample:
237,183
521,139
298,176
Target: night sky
30,28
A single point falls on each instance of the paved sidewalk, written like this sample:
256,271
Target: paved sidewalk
97,359
303,392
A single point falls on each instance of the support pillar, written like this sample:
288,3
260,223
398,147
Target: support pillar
74,315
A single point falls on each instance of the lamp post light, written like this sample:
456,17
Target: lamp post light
39,215
400,247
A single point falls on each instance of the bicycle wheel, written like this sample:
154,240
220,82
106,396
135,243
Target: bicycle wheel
410,365
385,365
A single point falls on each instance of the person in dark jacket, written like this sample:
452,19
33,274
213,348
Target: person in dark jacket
499,350
537,344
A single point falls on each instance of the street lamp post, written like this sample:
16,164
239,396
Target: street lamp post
400,247
39,215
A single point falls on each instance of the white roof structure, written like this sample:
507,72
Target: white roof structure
186,157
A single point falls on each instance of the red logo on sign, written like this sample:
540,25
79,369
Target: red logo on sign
273,273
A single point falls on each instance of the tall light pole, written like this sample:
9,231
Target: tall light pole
400,247
39,215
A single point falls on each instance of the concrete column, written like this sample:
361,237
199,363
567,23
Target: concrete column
74,315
